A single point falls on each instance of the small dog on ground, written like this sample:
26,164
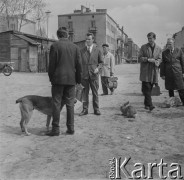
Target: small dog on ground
31,102
171,102
128,110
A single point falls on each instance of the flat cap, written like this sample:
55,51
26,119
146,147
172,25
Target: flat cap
63,29
105,45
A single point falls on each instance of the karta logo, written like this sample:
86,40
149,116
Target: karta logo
118,170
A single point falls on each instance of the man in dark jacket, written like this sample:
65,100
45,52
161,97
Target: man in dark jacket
172,69
91,58
64,72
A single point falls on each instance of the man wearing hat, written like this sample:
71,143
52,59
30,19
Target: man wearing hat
150,58
172,69
107,69
64,72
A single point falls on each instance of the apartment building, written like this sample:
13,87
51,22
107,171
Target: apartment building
179,38
101,24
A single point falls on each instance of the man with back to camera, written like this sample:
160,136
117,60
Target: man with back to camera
64,72
91,58
150,58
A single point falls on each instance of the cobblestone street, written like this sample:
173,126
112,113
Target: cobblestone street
85,155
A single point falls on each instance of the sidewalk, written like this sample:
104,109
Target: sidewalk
146,139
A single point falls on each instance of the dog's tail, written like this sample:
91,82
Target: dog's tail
18,100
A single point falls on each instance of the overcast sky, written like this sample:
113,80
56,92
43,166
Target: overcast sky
164,17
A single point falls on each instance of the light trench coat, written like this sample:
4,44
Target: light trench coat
108,65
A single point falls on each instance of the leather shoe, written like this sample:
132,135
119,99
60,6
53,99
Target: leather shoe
151,108
104,94
97,112
53,133
69,132
147,107
84,112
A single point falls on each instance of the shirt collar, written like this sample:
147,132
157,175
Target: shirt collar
90,47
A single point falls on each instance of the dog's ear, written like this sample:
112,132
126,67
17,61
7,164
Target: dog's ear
125,104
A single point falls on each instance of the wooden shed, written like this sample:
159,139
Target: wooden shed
28,52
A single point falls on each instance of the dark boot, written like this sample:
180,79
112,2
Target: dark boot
54,132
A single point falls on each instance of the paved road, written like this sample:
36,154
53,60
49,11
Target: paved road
146,139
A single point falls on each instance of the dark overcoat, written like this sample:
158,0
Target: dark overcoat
172,67
65,66
89,64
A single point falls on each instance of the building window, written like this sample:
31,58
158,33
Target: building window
93,23
70,25
69,17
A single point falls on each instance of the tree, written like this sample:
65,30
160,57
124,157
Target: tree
23,8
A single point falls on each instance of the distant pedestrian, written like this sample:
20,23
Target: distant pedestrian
172,69
64,72
150,59
91,58
107,69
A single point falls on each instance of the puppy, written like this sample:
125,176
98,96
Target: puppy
31,102
128,110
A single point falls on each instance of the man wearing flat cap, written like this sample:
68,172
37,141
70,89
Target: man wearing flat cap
107,69
65,70
172,69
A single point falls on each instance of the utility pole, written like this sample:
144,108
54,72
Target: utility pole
47,14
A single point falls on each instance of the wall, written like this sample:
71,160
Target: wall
5,47
179,39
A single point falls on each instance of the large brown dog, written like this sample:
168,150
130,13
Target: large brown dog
31,102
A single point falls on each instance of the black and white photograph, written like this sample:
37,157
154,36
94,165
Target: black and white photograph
91,89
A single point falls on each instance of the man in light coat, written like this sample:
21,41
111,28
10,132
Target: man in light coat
150,58
107,69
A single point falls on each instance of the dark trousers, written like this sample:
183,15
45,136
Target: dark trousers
63,94
171,93
181,94
104,81
94,85
146,89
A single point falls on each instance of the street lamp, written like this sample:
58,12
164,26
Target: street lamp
47,14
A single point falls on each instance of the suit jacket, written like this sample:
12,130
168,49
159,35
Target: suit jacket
148,70
108,65
172,67
65,66
89,65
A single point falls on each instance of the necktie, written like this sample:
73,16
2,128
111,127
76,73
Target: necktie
88,49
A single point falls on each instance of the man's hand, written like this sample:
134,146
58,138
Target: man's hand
163,77
151,60
96,71
157,63
111,73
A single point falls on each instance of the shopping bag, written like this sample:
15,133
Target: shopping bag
112,82
79,92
